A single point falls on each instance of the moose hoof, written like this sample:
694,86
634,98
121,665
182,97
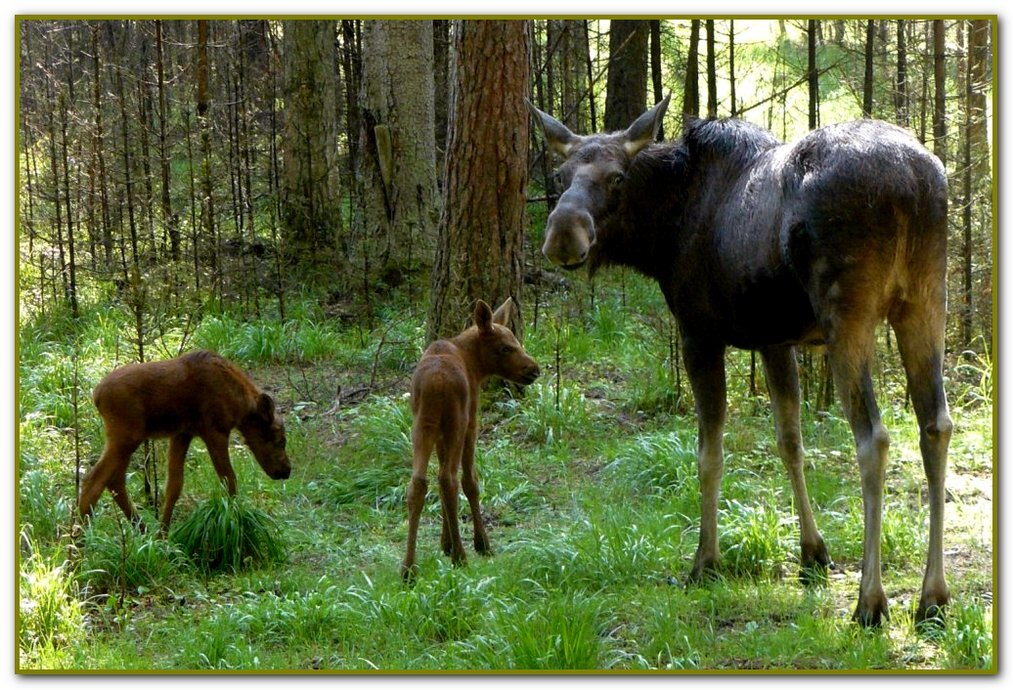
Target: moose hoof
871,611
931,612
409,573
482,545
815,565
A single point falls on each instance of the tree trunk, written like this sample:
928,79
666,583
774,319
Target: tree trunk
812,75
626,88
731,67
901,91
311,198
712,72
939,101
168,218
480,249
691,90
867,84
397,168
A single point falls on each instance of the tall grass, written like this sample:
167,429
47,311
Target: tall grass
51,626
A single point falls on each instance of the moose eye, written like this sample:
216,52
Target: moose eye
616,179
506,349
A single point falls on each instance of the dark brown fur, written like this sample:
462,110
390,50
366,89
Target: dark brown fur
764,246
199,394
444,390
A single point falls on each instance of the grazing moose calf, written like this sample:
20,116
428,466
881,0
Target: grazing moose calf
445,388
764,246
199,394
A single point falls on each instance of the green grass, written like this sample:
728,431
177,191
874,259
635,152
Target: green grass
589,490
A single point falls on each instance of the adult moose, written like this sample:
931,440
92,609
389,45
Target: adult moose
762,245
199,394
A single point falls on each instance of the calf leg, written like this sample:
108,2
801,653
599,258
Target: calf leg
782,382
850,349
422,449
110,471
449,449
705,364
919,332
469,482
218,448
178,445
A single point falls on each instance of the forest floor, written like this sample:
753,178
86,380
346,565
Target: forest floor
589,492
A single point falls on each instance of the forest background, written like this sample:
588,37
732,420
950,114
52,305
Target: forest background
238,286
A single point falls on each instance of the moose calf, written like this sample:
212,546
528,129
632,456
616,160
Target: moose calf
444,400
199,394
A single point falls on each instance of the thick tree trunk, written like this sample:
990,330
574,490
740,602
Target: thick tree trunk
691,89
480,250
626,89
311,198
397,168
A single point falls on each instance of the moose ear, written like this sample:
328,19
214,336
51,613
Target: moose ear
504,312
557,136
483,316
265,406
645,128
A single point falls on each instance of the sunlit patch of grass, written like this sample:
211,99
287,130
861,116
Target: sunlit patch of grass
51,616
116,558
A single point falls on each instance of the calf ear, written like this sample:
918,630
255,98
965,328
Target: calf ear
557,136
482,316
265,406
645,128
504,312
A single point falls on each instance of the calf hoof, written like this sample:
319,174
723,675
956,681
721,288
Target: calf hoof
409,573
815,565
871,611
482,545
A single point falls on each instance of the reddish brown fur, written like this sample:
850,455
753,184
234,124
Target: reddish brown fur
199,394
445,389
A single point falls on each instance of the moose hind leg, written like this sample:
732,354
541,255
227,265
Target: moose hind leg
919,330
469,482
782,382
449,451
850,349
422,449
110,471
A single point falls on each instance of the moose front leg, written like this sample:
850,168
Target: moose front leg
705,364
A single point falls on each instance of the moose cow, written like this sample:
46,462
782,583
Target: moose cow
444,400
764,246
199,394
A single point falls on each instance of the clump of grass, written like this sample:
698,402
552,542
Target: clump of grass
118,558
562,632
657,463
376,459
51,618
226,533
551,413
967,637
44,508
753,538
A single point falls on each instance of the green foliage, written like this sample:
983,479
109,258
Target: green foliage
51,614
753,538
228,534
117,558
967,637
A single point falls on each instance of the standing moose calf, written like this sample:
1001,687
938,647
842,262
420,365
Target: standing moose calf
199,394
444,399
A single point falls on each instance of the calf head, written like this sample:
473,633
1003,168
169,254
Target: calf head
264,433
593,177
499,351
